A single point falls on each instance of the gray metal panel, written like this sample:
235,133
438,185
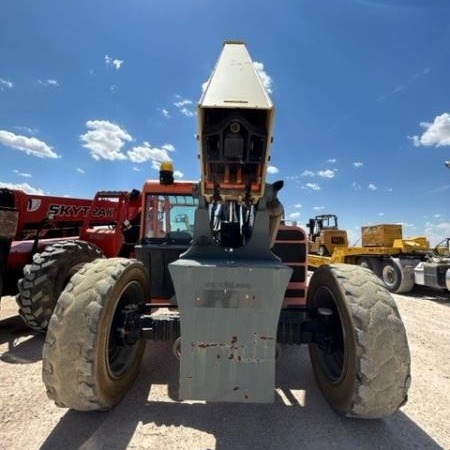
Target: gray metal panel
229,316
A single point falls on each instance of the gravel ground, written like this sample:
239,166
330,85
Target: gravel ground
150,418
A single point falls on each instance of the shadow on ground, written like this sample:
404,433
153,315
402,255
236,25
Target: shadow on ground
439,296
299,418
24,346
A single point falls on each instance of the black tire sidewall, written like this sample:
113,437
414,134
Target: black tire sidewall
339,394
111,389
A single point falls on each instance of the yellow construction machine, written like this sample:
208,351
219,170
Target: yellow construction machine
325,235
401,263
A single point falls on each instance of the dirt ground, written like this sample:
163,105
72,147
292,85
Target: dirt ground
150,418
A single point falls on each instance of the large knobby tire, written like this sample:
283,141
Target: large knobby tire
366,372
85,366
47,276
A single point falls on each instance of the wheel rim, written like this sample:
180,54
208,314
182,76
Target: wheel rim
389,275
331,359
120,357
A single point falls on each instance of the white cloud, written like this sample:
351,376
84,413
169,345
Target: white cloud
31,146
22,187
80,170
105,140
445,187
318,208
178,174
183,106
205,85
187,112
272,169
307,173
436,134
168,147
422,72
5,84
113,88
182,102
394,91
298,205
332,160
136,169
145,152
49,82
398,89
437,232
165,113
372,187
356,186
357,164
312,186
28,130
327,173
295,215
22,174
117,63
266,79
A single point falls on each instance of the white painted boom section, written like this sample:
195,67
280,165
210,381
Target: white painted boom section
235,82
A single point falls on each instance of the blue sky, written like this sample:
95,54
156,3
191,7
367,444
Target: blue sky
94,94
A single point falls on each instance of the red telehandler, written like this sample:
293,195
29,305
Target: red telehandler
110,227
231,298
28,222
45,239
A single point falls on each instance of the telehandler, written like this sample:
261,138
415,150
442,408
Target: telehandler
230,298
30,223
107,226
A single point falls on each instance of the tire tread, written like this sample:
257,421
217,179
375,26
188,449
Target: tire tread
383,358
70,377
37,289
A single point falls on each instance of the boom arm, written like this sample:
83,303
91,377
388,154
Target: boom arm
229,286
235,117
